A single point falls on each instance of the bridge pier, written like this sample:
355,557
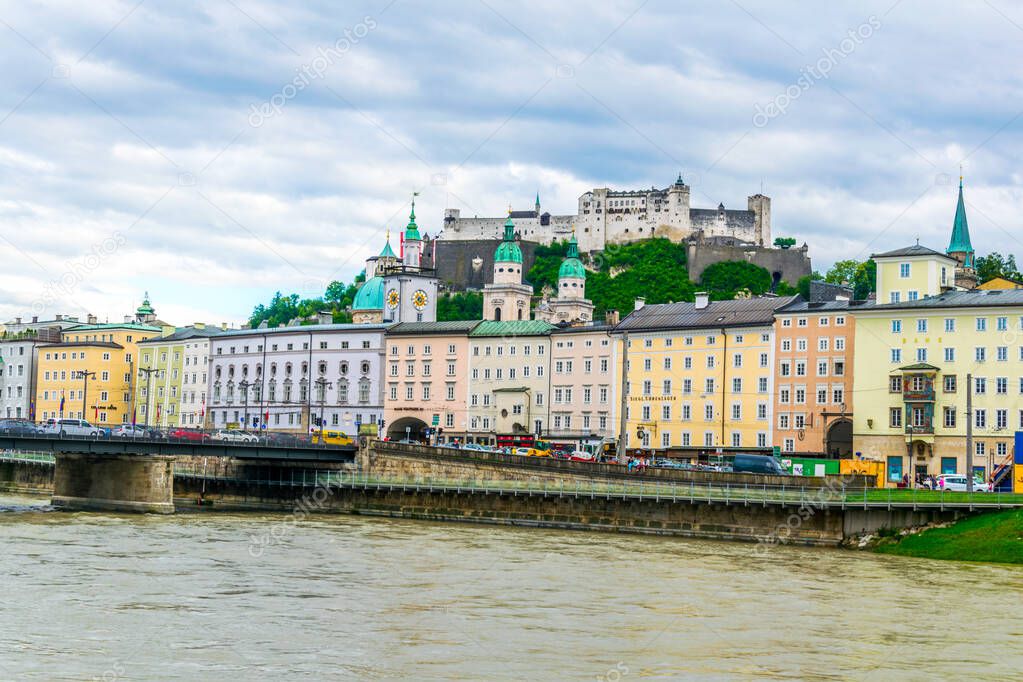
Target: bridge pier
114,482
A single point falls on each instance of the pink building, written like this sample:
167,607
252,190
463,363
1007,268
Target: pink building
426,380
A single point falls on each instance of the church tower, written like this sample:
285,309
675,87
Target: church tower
571,304
409,289
960,248
507,298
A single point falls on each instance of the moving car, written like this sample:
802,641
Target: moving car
72,427
334,438
758,464
187,434
19,427
958,483
137,432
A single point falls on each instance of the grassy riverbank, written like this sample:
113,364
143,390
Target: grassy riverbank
994,537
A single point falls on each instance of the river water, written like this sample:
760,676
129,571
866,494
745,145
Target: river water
282,597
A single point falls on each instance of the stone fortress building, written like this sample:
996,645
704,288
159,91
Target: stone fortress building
605,216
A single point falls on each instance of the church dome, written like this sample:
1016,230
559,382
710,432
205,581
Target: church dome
572,267
370,295
508,251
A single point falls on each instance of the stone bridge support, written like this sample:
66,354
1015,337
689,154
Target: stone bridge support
114,482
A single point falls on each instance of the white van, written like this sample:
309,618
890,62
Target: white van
957,483
71,427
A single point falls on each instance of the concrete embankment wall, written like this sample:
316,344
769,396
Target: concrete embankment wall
33,478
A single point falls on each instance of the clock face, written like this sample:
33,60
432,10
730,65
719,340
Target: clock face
420,299
392,298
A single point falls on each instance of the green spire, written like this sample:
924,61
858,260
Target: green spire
960,242
145,308
412,230
573,247
538,202
388,252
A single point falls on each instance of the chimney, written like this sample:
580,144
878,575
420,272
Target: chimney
59,317
199,325
35,318
611,318
702,300
17,320
223,326
640,302
90,318
127,319
324,317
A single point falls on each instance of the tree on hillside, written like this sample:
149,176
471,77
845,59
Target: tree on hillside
546,262
994,265
723,280
654,269
463,305
842,272
784,242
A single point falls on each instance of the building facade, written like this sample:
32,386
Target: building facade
19,352
506,297
583,378
427,380
570,305
814,345
509,381
91,373
295,378
700,375
605,216
173,374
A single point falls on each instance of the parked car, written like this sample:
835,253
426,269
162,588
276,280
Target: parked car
187,434
137,432
231,436
758,464
19,427
958,483
72,427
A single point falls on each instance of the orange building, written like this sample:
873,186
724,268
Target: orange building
813,399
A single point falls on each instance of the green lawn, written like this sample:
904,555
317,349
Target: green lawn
923,495
994,537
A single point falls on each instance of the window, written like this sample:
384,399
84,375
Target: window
838,396
762,385
1002,324
1002,353
980,418
893,297
895,417
737,385
949,417
921,325
783,421
1002,385
786,345
921,355
737,360
980,354
950,324
949,381
950,355
1001,419
979,385
822,368
784,396
904,270
982,324
912,295
822,343
896,355
896,326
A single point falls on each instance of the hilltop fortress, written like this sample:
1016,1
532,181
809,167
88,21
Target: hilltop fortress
605,216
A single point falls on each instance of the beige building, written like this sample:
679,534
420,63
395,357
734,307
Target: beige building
427,380
509,381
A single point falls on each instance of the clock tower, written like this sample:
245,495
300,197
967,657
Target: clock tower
410,290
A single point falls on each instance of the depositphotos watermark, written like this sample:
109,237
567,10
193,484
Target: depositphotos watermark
810,74
76,271
307,73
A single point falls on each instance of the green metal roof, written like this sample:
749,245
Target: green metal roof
960,242
508,251
512,328
572,266
427,328
370,295
103,326
388,252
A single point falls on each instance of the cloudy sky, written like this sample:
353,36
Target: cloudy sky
212,153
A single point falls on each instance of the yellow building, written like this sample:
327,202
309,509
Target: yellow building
700,375
90,374
1000,283
913,273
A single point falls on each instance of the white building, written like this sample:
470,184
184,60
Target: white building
287,377
605,216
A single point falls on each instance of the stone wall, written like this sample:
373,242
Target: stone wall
789,264
26,477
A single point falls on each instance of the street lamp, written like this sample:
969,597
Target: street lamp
149,372
85,376
244,385
321,390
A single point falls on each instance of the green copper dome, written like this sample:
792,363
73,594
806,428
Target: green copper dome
508,251
572,266
388,252
412,230
960,242
145,308
370,295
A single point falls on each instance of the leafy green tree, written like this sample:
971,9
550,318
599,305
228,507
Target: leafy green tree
463,305
842,272
547,261
723,280
784,242
994,265
865,280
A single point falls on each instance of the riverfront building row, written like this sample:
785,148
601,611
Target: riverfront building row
887,378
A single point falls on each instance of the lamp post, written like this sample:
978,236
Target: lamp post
149,372
85,376
321,389
244,385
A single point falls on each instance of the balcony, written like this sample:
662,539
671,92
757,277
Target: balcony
921,395
924,428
